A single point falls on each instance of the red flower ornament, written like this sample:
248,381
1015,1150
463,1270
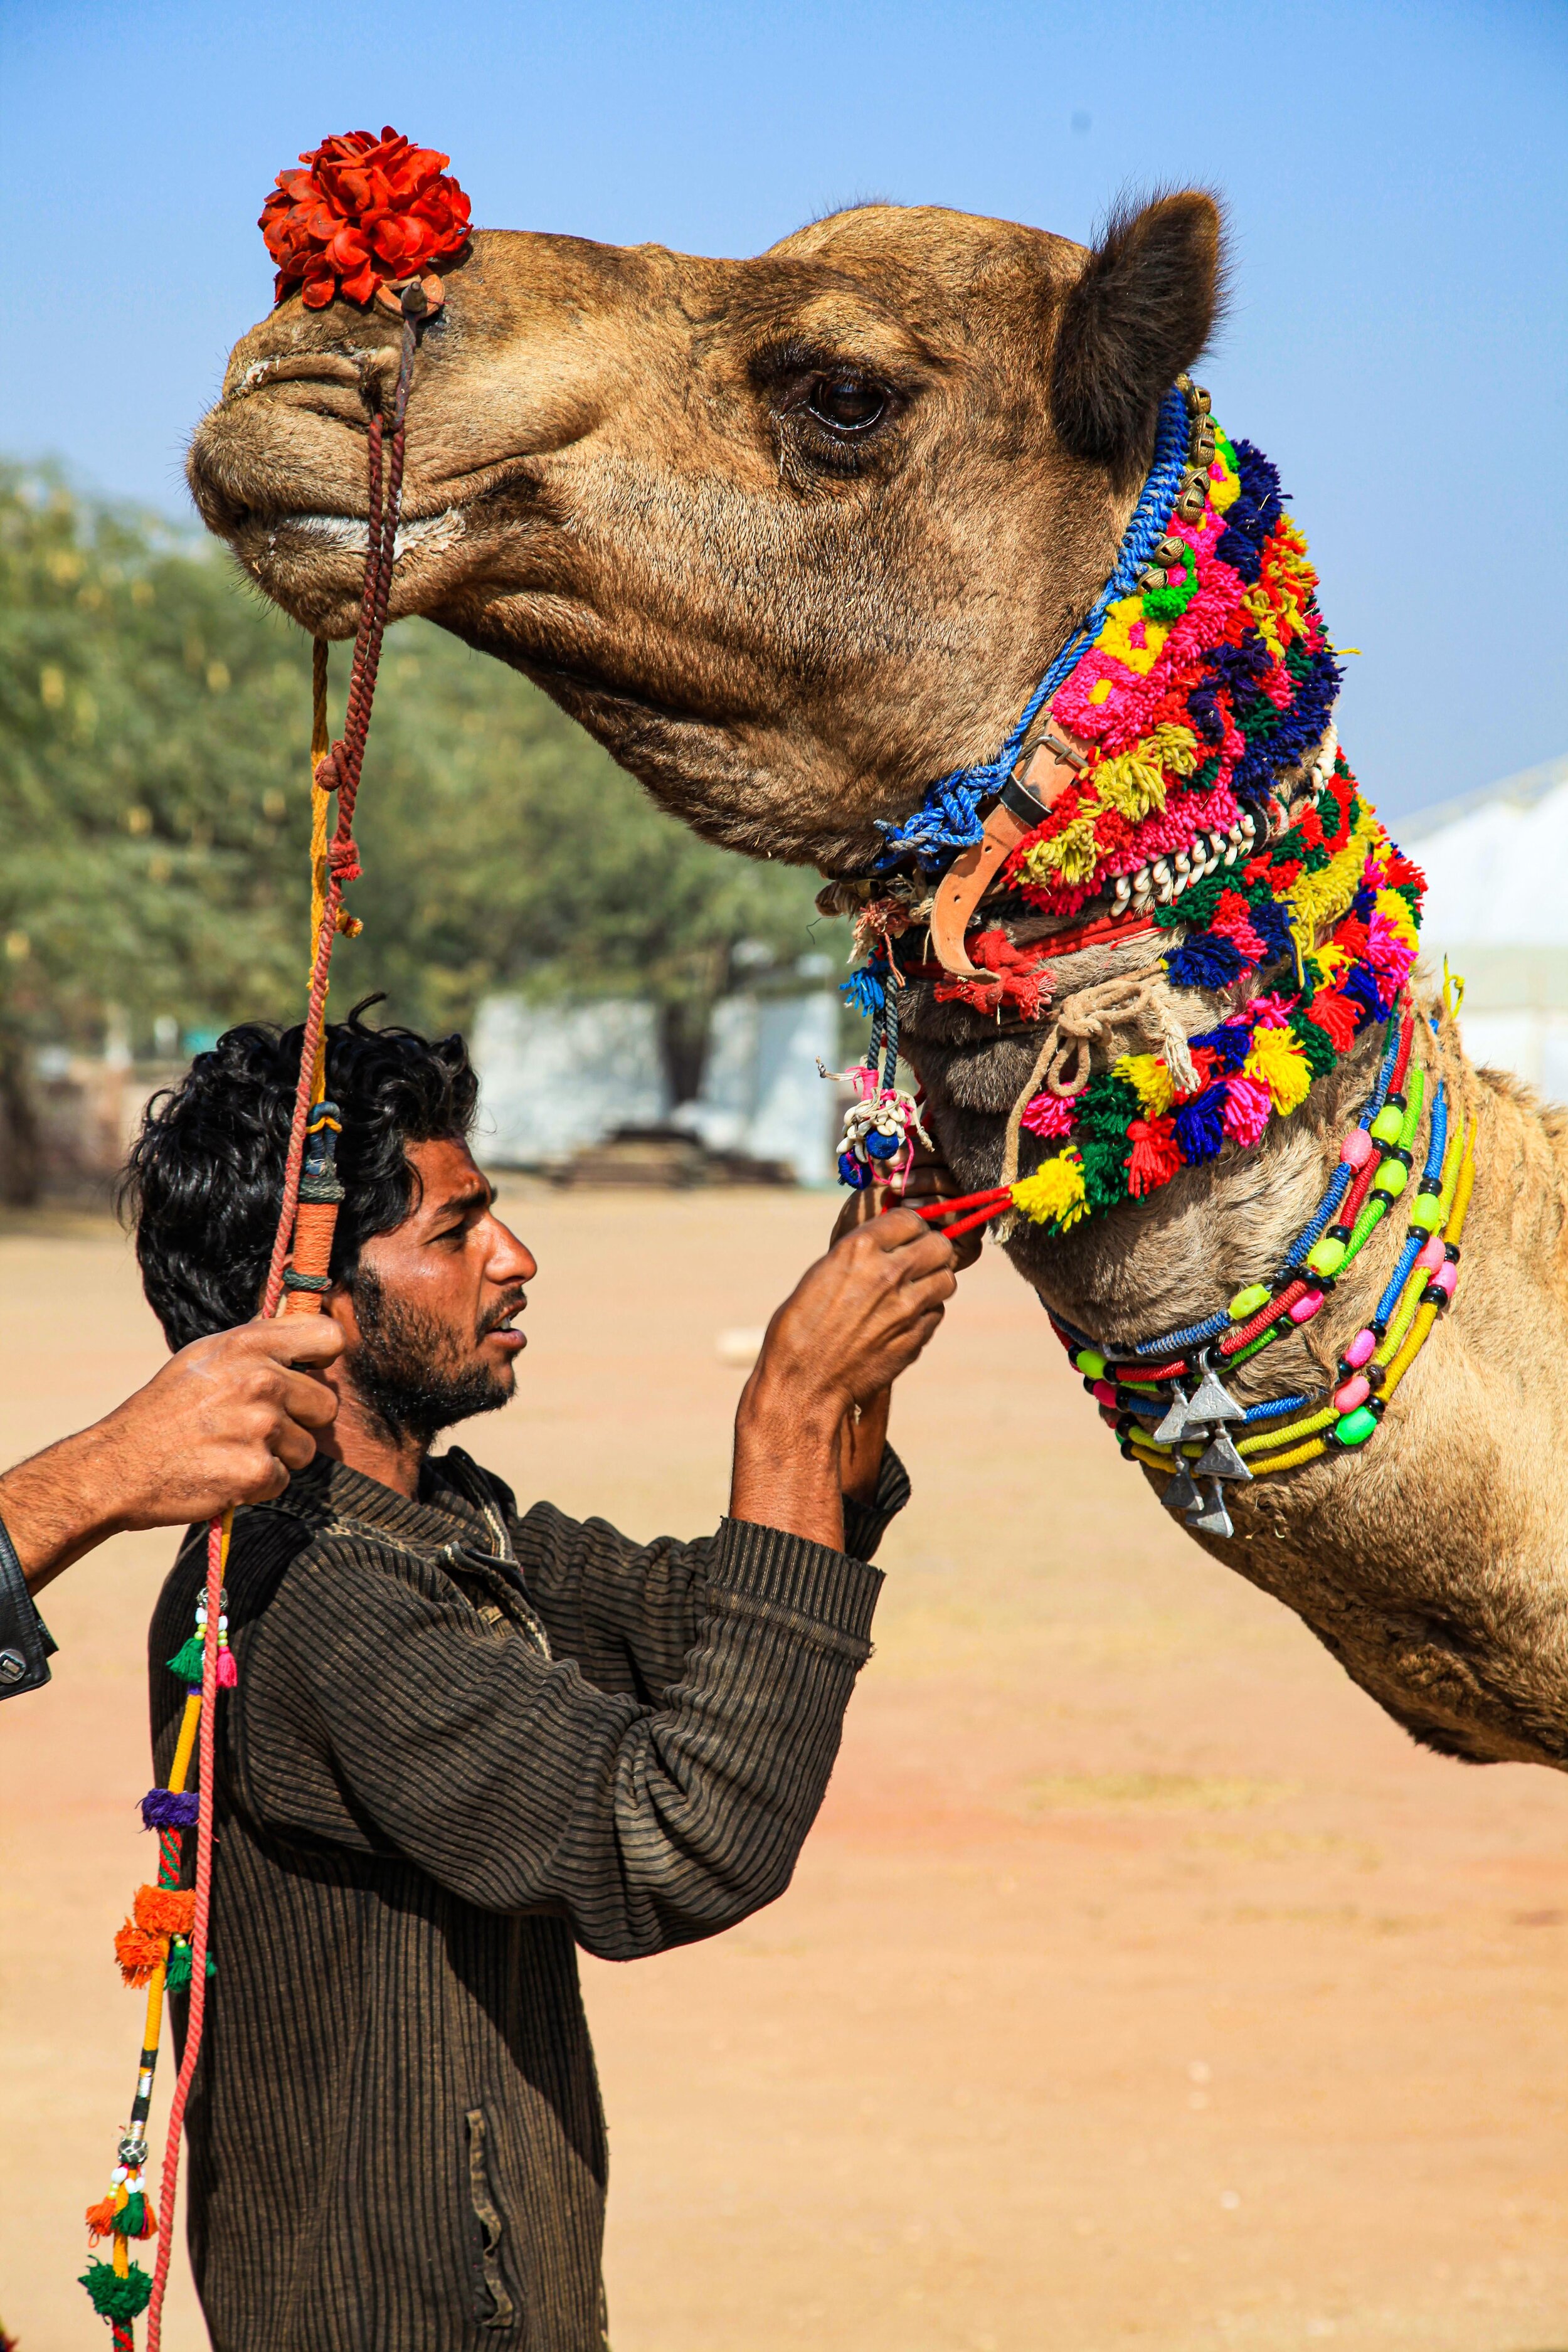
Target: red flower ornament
363,212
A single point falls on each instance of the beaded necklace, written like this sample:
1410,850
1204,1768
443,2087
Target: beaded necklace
1164,1398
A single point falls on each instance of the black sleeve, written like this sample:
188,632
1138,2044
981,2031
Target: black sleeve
26,1645
511,1781
629,1612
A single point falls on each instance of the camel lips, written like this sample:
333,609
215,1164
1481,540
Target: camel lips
342,532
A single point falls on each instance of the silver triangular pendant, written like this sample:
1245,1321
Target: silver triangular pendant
1211,1518
1171,1429
1221,1460
1211,1401
1180,1494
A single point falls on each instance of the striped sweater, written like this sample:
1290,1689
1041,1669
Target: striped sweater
461,1743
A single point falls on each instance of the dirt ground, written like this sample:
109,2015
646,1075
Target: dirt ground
1140,1985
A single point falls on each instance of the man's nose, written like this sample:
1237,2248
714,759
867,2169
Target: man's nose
510,1260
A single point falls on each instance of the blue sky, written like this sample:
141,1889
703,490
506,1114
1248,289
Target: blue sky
1397,342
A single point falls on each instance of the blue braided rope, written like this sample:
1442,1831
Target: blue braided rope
1309,1236
1191,1334
1437,1140
1344,1176
1436,1145
1275,1406
947,817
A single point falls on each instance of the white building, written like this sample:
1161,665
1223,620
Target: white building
554,1077
1497,907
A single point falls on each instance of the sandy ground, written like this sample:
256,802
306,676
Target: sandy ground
1140,1985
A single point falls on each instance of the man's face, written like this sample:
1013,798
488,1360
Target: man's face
430,1310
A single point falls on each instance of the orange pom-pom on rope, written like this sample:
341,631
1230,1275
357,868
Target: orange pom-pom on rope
363,212
166,1910
139,1953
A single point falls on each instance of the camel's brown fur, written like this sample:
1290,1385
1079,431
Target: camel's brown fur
623,477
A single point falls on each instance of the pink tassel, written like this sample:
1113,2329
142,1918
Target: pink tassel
227,1672
1046,1115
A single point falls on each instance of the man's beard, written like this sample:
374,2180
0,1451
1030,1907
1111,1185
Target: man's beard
410,1371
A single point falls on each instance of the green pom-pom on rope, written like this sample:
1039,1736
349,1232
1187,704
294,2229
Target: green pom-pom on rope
186,1661
177,1974
113,2297
131,2216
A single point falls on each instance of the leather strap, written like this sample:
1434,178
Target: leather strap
1026,796
25,1641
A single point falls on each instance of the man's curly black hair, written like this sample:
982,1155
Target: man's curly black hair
205,1176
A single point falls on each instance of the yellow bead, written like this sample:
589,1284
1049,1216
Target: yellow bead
1246,1302
1385,1126
1091,1364
1391,1178
1327,1256
1427,1212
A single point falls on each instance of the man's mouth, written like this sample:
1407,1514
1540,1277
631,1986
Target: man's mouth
503,1327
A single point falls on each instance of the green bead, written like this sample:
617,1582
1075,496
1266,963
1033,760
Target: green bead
1091,1364
1355,1428
1247,1302
1327,1256
1427,1211
1391,1178
1385,1126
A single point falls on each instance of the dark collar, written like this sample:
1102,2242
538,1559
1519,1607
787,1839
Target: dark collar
453,1508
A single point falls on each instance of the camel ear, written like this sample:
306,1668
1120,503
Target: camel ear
1142,312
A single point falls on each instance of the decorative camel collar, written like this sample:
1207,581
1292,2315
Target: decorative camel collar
1175,771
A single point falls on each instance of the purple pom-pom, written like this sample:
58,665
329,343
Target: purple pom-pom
169,1809
1200,1126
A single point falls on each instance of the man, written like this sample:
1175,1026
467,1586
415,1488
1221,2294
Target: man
225,1421
463,1737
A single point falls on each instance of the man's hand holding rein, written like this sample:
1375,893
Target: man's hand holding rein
226,1420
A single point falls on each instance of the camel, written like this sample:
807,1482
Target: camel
796,535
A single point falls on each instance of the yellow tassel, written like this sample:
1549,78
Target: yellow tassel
1134,782
1054,1191
1278,1063
1146,1074
1071,856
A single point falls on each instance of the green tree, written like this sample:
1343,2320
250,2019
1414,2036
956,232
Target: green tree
153,803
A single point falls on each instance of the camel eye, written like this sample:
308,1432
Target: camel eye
846,403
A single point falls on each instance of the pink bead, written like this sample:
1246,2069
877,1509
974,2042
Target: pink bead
1351,1392
1357,1148
1105,1391
1447,1280
1433,1256
1360,1349
1305,1308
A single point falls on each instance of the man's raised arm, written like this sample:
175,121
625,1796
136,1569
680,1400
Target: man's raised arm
226,1420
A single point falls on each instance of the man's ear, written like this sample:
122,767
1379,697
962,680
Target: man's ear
1142,312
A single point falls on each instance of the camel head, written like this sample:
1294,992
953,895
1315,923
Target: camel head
791,536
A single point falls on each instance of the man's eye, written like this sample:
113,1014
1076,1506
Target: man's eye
846,403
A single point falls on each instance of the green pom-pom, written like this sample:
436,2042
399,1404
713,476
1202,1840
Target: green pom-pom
187,1662
177,1974
1315,1044
128,2222
113,2297
1196,905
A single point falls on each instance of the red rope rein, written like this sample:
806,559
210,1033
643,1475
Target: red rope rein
340,769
